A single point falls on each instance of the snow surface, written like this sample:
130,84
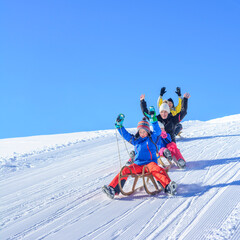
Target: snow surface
51,187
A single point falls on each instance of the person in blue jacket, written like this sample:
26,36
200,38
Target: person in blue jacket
145,144
162,140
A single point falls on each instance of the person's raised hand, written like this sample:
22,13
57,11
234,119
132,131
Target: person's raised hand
163,90
119,120
187,95
178,91
142,97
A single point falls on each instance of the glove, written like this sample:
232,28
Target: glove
119,120
178,91
152,115
163,134
163,90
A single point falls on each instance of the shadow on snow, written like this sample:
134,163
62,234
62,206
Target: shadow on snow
191,190
183,139
202,164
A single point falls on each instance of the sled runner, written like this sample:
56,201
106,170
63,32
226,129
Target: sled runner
166,163
179,134
145,175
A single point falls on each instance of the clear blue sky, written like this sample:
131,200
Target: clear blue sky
70,66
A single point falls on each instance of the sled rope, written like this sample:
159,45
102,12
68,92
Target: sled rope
126,150
125,143
120,162
119,157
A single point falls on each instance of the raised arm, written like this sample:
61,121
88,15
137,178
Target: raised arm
160,100
143,106
183,113
126,135
123,132
179,106
153,120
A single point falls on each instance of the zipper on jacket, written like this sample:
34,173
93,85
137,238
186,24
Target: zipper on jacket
149,151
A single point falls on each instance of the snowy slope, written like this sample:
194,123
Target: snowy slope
51,187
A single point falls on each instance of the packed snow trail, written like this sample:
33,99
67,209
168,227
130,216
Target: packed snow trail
54,191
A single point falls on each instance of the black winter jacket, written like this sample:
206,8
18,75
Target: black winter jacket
171,121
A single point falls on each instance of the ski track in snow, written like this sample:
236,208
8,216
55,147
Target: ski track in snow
60,196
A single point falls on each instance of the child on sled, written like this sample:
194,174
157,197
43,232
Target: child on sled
169,150
145,154
169,121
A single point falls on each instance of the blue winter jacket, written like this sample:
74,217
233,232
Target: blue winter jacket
145,149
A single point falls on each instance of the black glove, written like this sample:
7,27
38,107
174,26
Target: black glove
163,90
178,91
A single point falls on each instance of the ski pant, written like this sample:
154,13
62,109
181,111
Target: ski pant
158,173
172,147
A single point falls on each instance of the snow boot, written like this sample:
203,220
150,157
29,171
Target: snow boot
109,191
167,154
181,163
171,188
